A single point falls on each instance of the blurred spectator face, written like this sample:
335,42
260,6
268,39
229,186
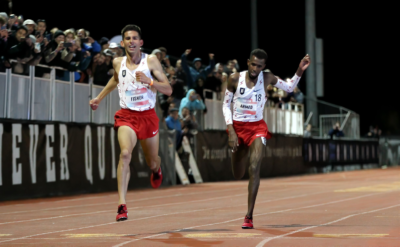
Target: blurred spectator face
172,79
41,27
185,112
60,38
224,77
192,96
197,65
21,33
101,59
200,83
69,38
174,114
31,28
218,75
178,64
220,67
81,33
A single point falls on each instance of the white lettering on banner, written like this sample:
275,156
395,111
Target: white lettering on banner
34,136
64,171
16,166
113,168
50,165
88,154
101,133
1,151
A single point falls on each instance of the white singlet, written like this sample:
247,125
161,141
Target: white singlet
248,104
135,95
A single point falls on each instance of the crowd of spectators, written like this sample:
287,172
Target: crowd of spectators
25,42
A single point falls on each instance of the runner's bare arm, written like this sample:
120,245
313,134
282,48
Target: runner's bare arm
111,85
290,85
226,109
161,83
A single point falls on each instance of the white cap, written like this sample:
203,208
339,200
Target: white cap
155,51
113,45
28,22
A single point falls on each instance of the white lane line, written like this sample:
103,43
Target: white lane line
261,244
159,205
107,203
280,211
284,198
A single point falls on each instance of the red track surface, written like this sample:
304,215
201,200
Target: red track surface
292,211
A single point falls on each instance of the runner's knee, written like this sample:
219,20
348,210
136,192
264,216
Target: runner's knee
254,170
152,161
125,156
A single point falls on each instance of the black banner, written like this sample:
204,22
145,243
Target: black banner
281,156
321,152
46,159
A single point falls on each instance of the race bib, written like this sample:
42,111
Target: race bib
246,107
136,98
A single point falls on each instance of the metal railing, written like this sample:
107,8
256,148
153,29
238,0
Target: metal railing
288,119
48,99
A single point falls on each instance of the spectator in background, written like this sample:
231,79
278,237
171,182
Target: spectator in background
57,55
41,27
116,49
213,81
102,67
224,84
192,101
104,43
157,53
178,92
174,123
180,74
294,97
3,43
189,123
307,131
231,67
88,43
192,73
30,25
336,131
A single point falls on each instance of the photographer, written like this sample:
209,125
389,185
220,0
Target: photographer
3,42
102,67
57,55
336,131
88,43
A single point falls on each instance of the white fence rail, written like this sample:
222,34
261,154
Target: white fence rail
36,98
286,120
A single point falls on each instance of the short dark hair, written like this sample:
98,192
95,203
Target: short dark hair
131,27
41,20
22,27
163,49
260,54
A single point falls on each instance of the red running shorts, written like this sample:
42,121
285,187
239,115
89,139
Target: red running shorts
144,123
247,132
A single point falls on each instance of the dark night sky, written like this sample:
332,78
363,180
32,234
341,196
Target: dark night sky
356,40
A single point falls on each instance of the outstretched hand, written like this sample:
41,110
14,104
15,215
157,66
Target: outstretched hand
187,52
94,103
305,62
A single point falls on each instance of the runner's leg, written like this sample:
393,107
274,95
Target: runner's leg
150,150
239,161
127,140
254,174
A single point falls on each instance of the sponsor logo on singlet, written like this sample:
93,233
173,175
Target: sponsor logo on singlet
123,73
241,90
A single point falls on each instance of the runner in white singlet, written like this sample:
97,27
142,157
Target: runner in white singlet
247,129
135,77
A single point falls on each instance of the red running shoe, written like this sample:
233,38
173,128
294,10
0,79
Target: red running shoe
122,213
248,223
156,179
